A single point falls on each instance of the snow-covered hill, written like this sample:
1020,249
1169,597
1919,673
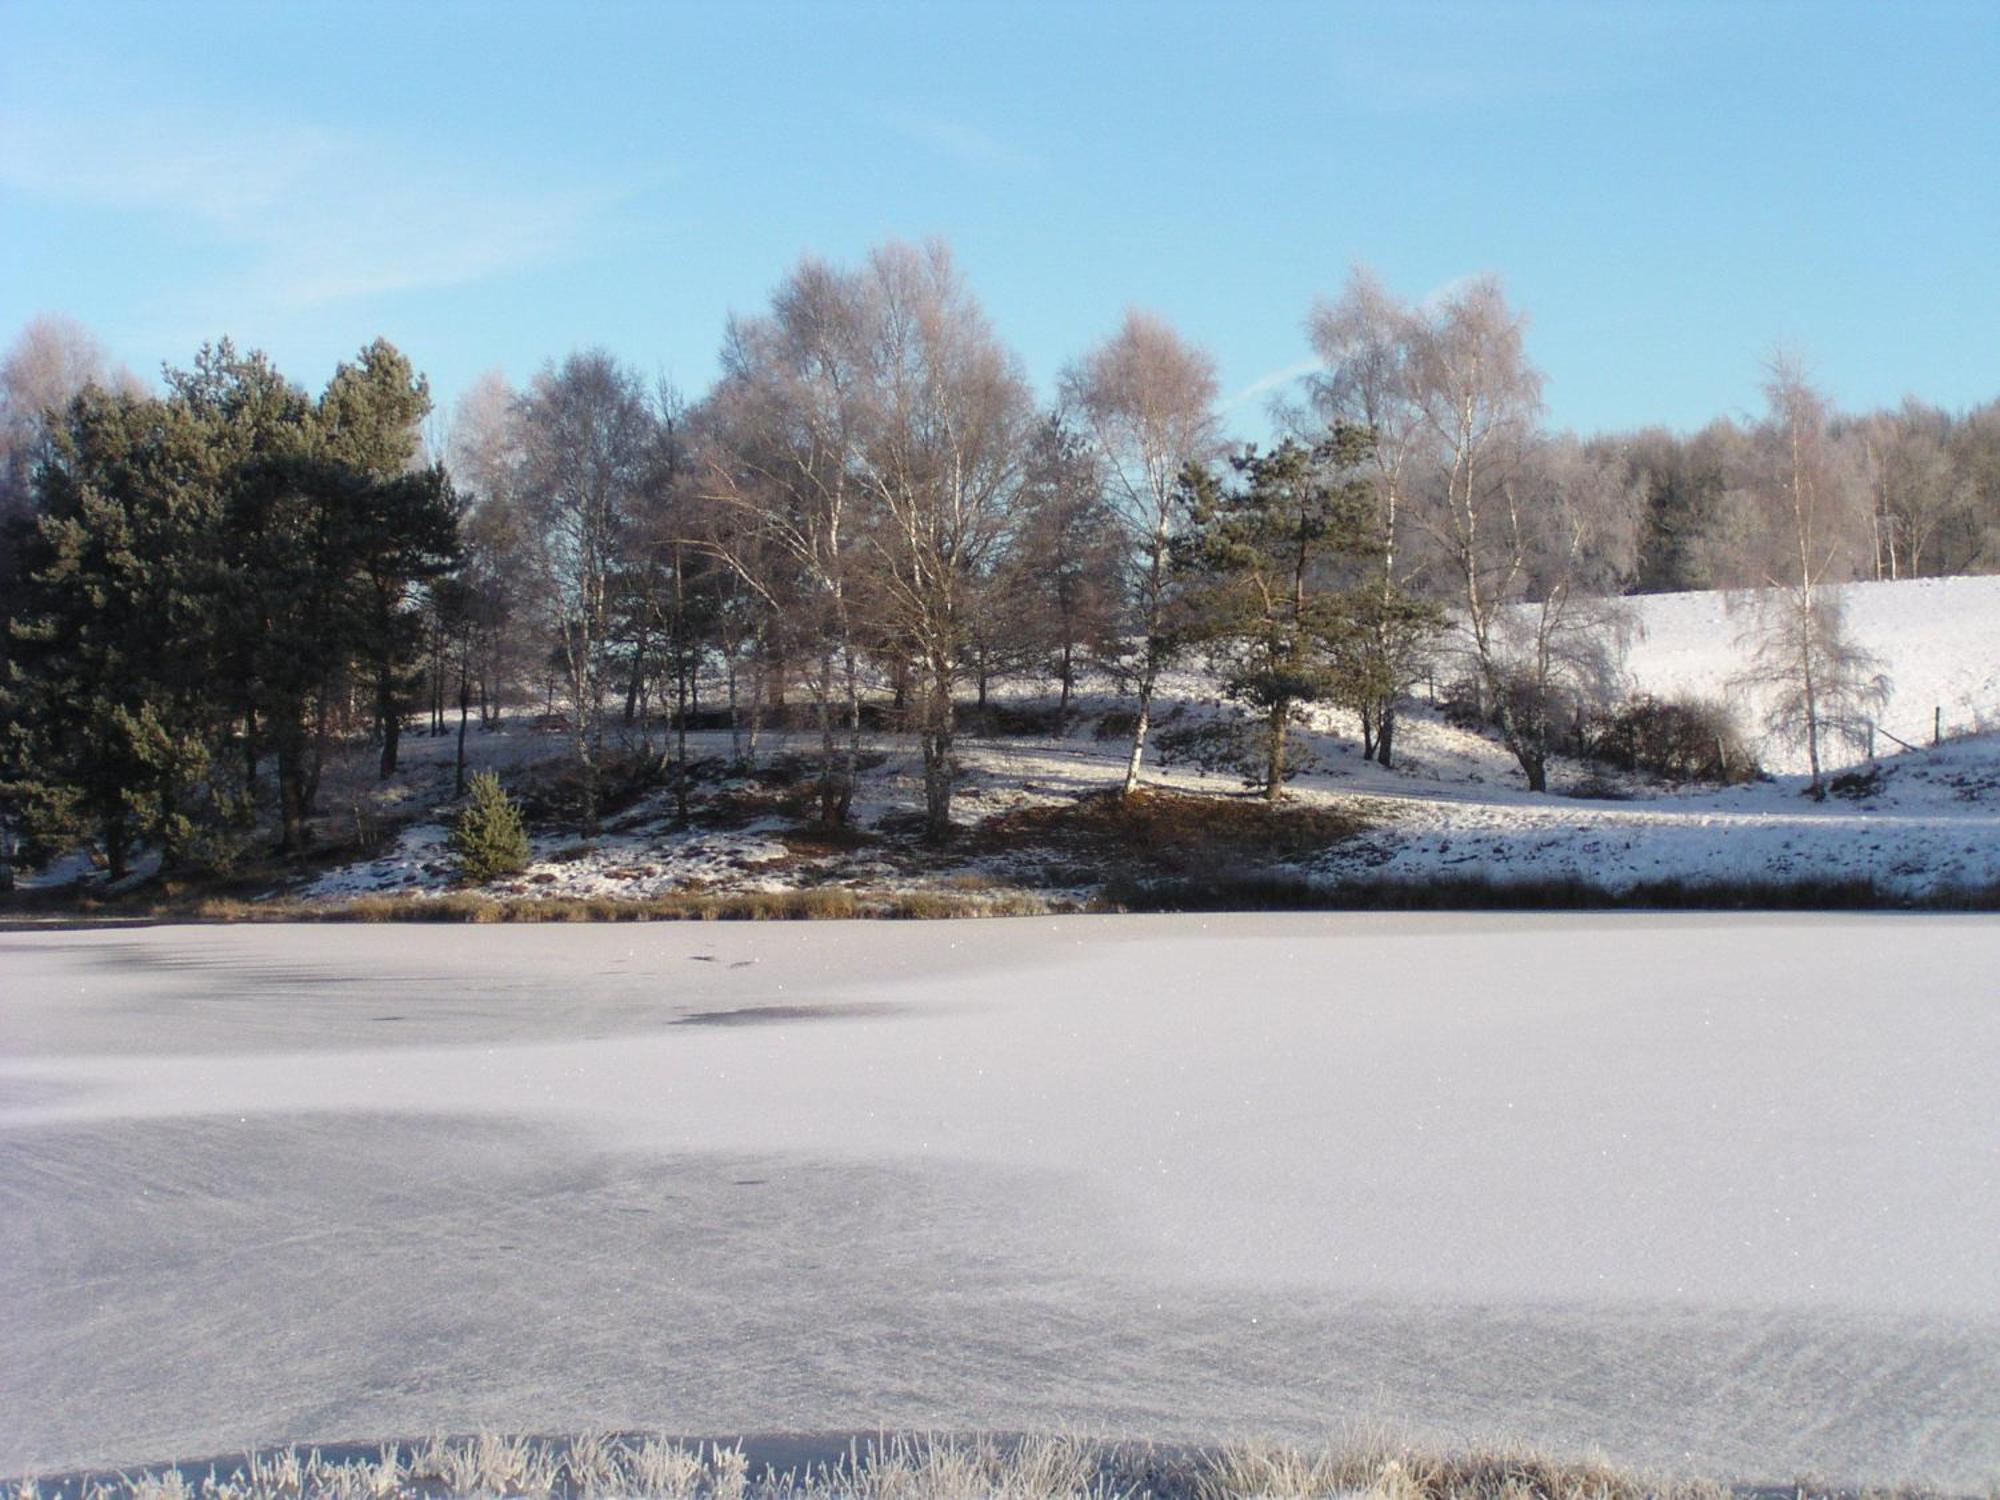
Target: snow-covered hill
1938,640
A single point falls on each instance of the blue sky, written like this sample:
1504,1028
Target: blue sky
1666,189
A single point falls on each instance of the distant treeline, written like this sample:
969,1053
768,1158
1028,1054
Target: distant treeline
205,588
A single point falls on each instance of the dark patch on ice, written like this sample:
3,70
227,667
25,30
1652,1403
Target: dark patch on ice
771,1015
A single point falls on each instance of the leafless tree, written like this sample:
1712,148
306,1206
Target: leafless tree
587,454
1147,398
481,441
1560,649
1482,518
1065,561
947,417
1367,342
481,444
1812,499
51,361
1916,491
776,456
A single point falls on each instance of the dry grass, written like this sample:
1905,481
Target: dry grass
595,1466
814,903
1162,832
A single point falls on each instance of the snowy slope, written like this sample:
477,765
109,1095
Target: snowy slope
1938,640
1930,823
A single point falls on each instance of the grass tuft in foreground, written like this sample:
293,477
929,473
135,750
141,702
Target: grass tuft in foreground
598,1467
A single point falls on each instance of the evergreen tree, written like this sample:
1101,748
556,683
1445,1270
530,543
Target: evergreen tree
1262,559
403,530
488,840
206,572
109,716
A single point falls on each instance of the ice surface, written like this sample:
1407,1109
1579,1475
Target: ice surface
1711,1193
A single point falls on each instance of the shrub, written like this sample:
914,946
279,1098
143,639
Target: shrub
1118,724
1682,739
488,839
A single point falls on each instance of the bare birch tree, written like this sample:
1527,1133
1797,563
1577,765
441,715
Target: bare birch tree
587,449
1147,398
779,437
1820,683
1367,343
1479,399
1561,648
949,414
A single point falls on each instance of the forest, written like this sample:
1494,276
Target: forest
867,522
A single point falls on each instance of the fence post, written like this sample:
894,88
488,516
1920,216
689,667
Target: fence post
1937,726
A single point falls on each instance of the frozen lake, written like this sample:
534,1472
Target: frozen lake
1706,1193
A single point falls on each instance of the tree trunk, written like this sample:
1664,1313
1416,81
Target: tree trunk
389,716
117,846
937,746
464,713
316,761
638,675
1062,702
829,797
1385,735
1537,767
680,738
850,771
1141,722
291,800
735,711
1274,770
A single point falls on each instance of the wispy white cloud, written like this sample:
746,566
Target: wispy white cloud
298,215
1270,381
961,142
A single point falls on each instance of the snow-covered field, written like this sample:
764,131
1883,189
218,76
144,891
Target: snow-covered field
1713,1194
1938,640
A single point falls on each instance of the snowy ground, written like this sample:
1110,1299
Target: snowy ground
1455,805
1938,639
1714,1194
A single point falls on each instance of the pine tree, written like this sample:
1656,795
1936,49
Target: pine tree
488,839
1262,560
108,708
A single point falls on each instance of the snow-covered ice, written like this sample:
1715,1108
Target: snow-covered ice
1710,1193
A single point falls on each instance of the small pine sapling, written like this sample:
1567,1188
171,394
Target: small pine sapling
488,840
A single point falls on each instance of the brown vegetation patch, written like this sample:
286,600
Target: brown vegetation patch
1170,832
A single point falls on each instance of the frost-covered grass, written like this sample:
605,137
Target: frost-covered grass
595,1466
